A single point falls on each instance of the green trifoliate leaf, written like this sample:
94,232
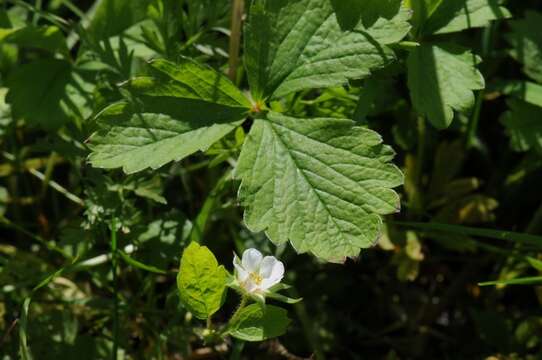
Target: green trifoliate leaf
523,124
48,38
201,281
526,39
257,323
320,183
441,79
48,93
293,45
185,108
457,15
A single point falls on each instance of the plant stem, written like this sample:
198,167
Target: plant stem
535,225
487,45
116,299
237,349
235,37
309,328
473,123
202,220
242,304
416,201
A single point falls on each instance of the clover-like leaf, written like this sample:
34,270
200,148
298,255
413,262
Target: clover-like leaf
257,323
321,183
201,281
293,45
184,108
441,79
523,123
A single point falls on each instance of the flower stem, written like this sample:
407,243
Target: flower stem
237,312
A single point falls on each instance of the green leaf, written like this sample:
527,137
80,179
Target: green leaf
283,298
320,183
422,10
526,39
183,109
457,15
139,265
523,124
201,282
48,93
112,17
349,13
524,90
441,79
299,44
258,323
48,38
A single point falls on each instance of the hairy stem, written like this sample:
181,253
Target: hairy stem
235,37
242,304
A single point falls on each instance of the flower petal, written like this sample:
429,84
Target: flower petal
275,277
240,273
252,259
267,265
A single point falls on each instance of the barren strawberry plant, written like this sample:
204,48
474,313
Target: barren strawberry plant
270,179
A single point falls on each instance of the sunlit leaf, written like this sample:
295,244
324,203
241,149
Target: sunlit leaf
201,281
296,45
184,108
321,183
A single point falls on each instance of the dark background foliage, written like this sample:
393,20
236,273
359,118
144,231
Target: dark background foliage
415,295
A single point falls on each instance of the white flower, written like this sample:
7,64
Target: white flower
257,274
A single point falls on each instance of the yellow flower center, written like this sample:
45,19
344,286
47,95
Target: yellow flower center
256,278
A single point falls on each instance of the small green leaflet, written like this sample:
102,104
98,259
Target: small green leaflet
526,39
293,45
257,323
524,125
48,38
201,281
457,15
524,90
48,93
184,108
320,183
441,79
